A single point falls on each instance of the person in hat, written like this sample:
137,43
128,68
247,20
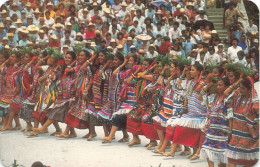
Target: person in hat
24,40
59,32
8,21
54,42
90,32
221,53
15,10
158,30
42,22
4,42
3,14
157,17
12,29
85,17
199,4
152,53
69,27
119,48
42,39
33,33
201,15
177,12
49,21
95,7
36,17
29,20
49,7
62,10
127,46
28,9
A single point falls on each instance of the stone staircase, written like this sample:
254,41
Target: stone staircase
215,15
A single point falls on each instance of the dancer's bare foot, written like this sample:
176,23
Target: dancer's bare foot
59,131
27,129
86,136
134,142
106,140
62,135
152,144
6,128
91,136
168,154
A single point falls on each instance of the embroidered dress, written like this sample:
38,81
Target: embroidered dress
100,90
28,104
2,81
216,140
188,126
46,94
110,106
23,80
65,92
154,101
77,116
9,92
243,147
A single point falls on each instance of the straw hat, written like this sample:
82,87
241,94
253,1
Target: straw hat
58,25
37,11
132,47
124,4
129,39
178,6
68,24
41,32
97,32
182,10
119,46
28,4
2,25
33,28
93,44
109,47
79,34
90,24
94,4
44,26
112,40
7,47
18,21
54,37
49,4
152,46
5,39
189,4
8,18
12,27
14,4
85,10
3,12
214,32
106,10
29,17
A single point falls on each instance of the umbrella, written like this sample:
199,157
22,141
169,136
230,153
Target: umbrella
203,23
158,3
143,37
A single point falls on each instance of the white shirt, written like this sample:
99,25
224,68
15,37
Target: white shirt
251,29
174,34
214,58
150,55
140,20
233,52
242,62
49,22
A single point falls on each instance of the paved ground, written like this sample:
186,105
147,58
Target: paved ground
79,152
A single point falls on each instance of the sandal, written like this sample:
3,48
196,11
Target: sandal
32,134
185,153
17,128
124,139
86,136
62,135
168,154
194,157
6,128
157,151
132,143
55,133
106,140
72,135
91,137
150,145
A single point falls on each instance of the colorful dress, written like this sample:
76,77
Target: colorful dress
100,90
65,92
243,147
9,92
188,126
23,80
110,106
28,104
77,116
154,101
216,140
47,94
